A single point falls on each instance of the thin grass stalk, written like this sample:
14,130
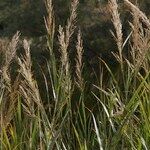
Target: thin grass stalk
97,133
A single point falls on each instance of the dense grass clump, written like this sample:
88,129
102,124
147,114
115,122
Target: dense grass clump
70,107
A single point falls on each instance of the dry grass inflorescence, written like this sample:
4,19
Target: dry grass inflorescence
120,116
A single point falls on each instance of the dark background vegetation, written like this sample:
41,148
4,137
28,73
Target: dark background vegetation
27,16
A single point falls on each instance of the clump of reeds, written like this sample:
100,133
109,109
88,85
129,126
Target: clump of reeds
121,118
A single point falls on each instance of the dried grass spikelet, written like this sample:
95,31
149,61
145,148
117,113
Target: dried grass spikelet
3,44
79,62
8,91
141,15
63,50
8,105
66,81
140,49
140,36
26,63
28,87
50,21
64,40
71,21
65,35
135,25
113,7
10,53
